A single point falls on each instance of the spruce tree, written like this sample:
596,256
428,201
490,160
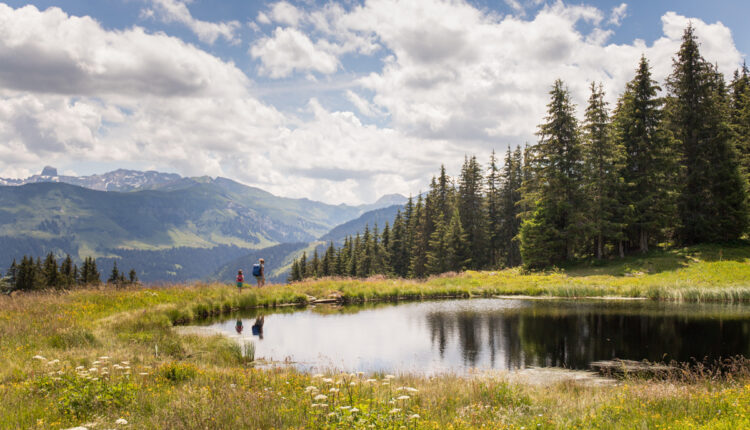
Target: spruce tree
132,277
511,180
67,277
603,162
419,240
114,276
712,204
458,252
437,256
396,246
472,208
51,275
648,175
558,221
740,117
494,211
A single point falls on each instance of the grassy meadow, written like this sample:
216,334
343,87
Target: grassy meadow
95,356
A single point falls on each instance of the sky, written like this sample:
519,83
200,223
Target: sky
336,101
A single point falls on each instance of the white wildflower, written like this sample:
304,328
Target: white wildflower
394,411
320,397
352,384
403,397
327,380
317,375
345,407
389,376
146,373
93,370
125,363
104,358
53,362
311,388
332,414
38,357
333,390
354,410
370,381
121,421
96,363
414,417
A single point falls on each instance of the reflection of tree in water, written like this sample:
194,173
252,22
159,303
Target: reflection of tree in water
574,336
441,327
469,326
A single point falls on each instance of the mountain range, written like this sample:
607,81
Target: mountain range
161,224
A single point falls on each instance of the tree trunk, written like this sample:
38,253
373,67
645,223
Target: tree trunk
599,247
621,248
644,241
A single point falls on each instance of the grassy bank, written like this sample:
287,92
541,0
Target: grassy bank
102,355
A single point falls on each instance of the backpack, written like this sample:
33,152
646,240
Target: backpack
256,269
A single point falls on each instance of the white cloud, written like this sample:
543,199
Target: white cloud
263,18
54,53
618,14
285,13
177,11
288,50
363,106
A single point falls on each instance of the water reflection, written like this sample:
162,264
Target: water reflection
501,334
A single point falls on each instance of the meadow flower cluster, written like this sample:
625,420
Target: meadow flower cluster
352,400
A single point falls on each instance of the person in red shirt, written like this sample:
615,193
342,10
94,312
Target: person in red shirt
240,280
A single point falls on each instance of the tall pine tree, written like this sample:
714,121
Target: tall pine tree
555,229
647,195
712,204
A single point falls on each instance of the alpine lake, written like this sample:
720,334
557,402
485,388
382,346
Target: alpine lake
474,335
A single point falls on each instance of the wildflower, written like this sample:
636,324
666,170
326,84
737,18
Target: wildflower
53,362
360,374
409,389
104,358
332,414
38,357
389,376
317,375
146,373
403,397
394,411
79,368
354,410
320,397
327,380
320,405
333,390
121,421
125,363
93,370
311,388
96,363
370,381
414,417
352,384
344,407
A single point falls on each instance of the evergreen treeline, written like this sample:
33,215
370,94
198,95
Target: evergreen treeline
653,170
36,274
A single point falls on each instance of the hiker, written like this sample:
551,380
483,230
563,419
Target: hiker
240,280
259,271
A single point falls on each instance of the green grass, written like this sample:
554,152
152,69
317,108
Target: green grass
154,378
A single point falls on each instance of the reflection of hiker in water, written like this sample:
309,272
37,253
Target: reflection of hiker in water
239,327
258,326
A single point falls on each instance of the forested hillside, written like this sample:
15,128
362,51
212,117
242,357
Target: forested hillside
651,171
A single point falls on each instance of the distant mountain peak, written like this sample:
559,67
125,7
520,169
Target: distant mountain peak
49,171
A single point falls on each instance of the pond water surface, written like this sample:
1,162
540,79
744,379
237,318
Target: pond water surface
460,335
